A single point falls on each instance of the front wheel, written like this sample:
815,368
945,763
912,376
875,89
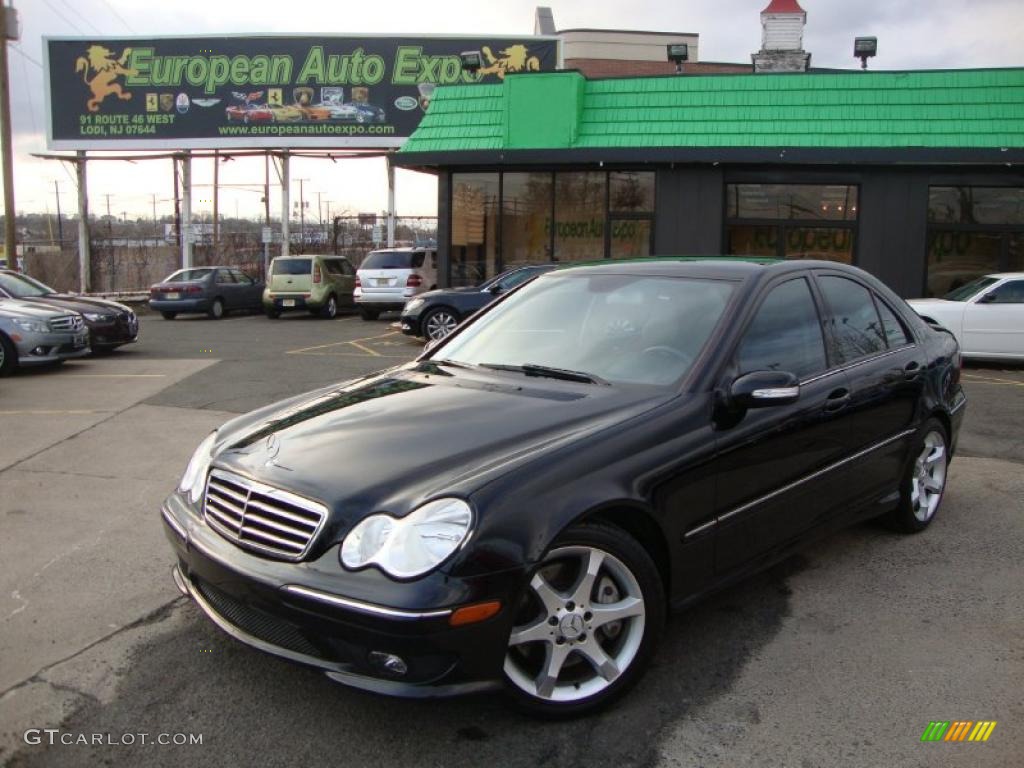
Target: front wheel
8,356
438,323
924,482
588,623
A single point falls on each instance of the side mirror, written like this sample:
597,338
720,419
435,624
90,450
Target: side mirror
762,389
495,289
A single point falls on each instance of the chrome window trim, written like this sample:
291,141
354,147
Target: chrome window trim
857,363
796,483
368,608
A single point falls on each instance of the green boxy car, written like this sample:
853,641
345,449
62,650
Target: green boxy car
320,285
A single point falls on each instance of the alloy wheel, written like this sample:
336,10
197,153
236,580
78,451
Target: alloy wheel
440,324
583,627
929,477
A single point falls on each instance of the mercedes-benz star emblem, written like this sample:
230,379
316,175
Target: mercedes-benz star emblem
273,448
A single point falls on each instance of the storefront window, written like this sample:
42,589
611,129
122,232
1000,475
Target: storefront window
526,218
474,233
631,191
631,238
792,221
579,216
973,231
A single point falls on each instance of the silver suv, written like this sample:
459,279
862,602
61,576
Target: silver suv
31,334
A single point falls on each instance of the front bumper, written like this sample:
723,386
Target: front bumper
411,325
108,335
48,348
291,610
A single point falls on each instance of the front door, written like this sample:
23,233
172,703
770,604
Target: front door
770,485
995,326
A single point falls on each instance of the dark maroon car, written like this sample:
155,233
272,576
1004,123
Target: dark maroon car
110,324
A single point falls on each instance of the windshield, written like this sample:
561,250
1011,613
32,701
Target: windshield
22,287
393,260
188,275
616,328
292,266
964,292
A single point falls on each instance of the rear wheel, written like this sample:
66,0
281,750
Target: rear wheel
438,323
924,482
8,356
273,314
369,314
169,315
588,623
216,309
330,310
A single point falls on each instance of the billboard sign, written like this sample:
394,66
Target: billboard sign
267,91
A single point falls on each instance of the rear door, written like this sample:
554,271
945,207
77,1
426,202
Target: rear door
774,481
341,278
994,323
228,289
885,366
291,275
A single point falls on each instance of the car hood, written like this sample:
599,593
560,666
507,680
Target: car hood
78,303
25,309
391,441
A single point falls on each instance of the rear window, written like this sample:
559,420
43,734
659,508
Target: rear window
393,260
293,266
187,275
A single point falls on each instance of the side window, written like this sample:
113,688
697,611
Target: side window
224,277
346,267
856,328
1011,292
417,260
895,332
241,277
333,266
516,278
785,334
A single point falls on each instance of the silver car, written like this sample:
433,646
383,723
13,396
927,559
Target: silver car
31,334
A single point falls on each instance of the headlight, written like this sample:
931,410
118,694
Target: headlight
32,326
96,317
195,473
411,545
414,304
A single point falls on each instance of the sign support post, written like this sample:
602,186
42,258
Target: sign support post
83,224
284,175
391,202
186,210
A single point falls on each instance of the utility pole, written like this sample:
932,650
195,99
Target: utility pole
302,214
177,205
110,223
60,223
216,178
84,257
152,197
10,32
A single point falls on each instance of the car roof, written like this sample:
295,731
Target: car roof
709,267
1004,275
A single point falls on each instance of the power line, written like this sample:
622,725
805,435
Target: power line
20,51
68,21
119,18
28,92
83,18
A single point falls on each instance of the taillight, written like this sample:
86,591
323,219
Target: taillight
414,281
316,273
359,284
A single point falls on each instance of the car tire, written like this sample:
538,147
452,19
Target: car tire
216,311
369,314
8,356
923,485
273,314
330,309
169,315
438,322
587,566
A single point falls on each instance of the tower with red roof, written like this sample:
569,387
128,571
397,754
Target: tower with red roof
782,38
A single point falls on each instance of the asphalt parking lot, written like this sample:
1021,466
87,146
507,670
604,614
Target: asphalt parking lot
839,656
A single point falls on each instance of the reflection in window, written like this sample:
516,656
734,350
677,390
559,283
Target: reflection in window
830,202
785,334
828,243
895,333
631,191
579,216
753,240
474,227
976,205
526,218
631,238
856,328
955,258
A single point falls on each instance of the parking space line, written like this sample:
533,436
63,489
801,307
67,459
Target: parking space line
352,342
992,380
114,375
36,412
368,351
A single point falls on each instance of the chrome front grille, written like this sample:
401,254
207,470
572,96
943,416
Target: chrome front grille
261,518
67,323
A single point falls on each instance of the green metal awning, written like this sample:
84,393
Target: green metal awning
929,116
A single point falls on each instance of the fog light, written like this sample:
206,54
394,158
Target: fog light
388,662
41,351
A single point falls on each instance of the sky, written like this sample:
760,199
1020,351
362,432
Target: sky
913,34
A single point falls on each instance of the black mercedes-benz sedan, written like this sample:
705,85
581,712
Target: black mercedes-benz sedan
110,323
520,506
436,313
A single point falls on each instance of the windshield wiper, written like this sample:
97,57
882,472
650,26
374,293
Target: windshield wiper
547,372
450,363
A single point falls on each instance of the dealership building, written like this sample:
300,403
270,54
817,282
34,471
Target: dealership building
917,177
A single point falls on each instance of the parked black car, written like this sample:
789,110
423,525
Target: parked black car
435,314
521,505
110,323
214,291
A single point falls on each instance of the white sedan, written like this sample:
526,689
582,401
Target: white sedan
986,316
